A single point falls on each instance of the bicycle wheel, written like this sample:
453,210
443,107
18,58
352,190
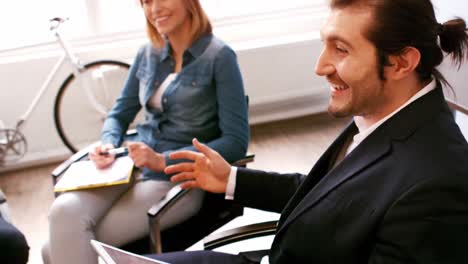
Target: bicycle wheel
83,101
13,145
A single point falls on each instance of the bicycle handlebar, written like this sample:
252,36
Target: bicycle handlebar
56,21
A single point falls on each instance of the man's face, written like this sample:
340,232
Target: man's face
349,62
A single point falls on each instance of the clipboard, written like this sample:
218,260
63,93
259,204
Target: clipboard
113,255
85,175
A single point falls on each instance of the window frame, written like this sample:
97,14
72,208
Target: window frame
239,29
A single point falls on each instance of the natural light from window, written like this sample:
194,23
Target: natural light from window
25,23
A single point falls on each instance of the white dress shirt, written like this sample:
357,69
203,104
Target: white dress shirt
357,139
155,100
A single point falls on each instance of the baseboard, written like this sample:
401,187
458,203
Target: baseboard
33,159
288,107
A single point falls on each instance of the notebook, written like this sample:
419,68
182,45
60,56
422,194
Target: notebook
85,175
113,255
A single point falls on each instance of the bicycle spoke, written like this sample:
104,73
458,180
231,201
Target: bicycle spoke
8,136
12,148
84,100
17,141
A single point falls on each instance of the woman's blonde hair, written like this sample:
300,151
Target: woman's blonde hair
200,24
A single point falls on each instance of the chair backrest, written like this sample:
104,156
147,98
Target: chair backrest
460,114
214,213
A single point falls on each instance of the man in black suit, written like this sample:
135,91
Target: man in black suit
393,187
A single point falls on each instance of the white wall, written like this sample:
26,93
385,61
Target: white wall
278,78
278,75
446,10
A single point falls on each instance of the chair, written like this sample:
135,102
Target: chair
256,230
239,234
214,213
4,210
460,113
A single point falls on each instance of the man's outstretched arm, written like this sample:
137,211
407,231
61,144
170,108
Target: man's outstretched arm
207,171
253,188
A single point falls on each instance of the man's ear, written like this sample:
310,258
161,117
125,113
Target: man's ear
403,64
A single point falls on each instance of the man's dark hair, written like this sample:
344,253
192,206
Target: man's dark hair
399,24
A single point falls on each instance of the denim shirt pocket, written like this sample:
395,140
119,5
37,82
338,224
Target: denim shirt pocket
196,81
197,88
192,98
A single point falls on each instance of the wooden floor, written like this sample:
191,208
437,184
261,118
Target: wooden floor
285,146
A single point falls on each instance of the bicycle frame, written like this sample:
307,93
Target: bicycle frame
67,55
86,77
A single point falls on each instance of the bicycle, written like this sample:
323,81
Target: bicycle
78,121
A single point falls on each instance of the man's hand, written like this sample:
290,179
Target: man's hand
144,156
208,171
102,161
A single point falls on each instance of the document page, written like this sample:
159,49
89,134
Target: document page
84,174
113,255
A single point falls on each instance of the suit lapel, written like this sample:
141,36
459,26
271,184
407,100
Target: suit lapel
367,153
319,182
319,170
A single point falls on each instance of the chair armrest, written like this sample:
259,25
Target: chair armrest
83,153
249,157
240,233
158,210
60,169
457,107
172,196
170,199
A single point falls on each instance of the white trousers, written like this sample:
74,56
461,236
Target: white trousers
115,215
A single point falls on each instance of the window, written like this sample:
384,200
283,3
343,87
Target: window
218,9
28,20
114,16
26,23
262,22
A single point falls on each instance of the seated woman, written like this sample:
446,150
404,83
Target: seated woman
189,85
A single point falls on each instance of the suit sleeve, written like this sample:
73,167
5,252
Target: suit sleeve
268,191
428,224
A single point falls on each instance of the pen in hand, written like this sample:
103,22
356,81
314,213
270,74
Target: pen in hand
116,151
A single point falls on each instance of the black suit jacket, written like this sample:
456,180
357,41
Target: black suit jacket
400,197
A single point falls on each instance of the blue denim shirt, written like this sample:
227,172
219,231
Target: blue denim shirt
206,101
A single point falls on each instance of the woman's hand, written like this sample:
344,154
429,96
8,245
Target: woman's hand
208,171
102,161
144,156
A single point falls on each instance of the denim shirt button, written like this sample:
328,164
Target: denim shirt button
194,83
165,100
